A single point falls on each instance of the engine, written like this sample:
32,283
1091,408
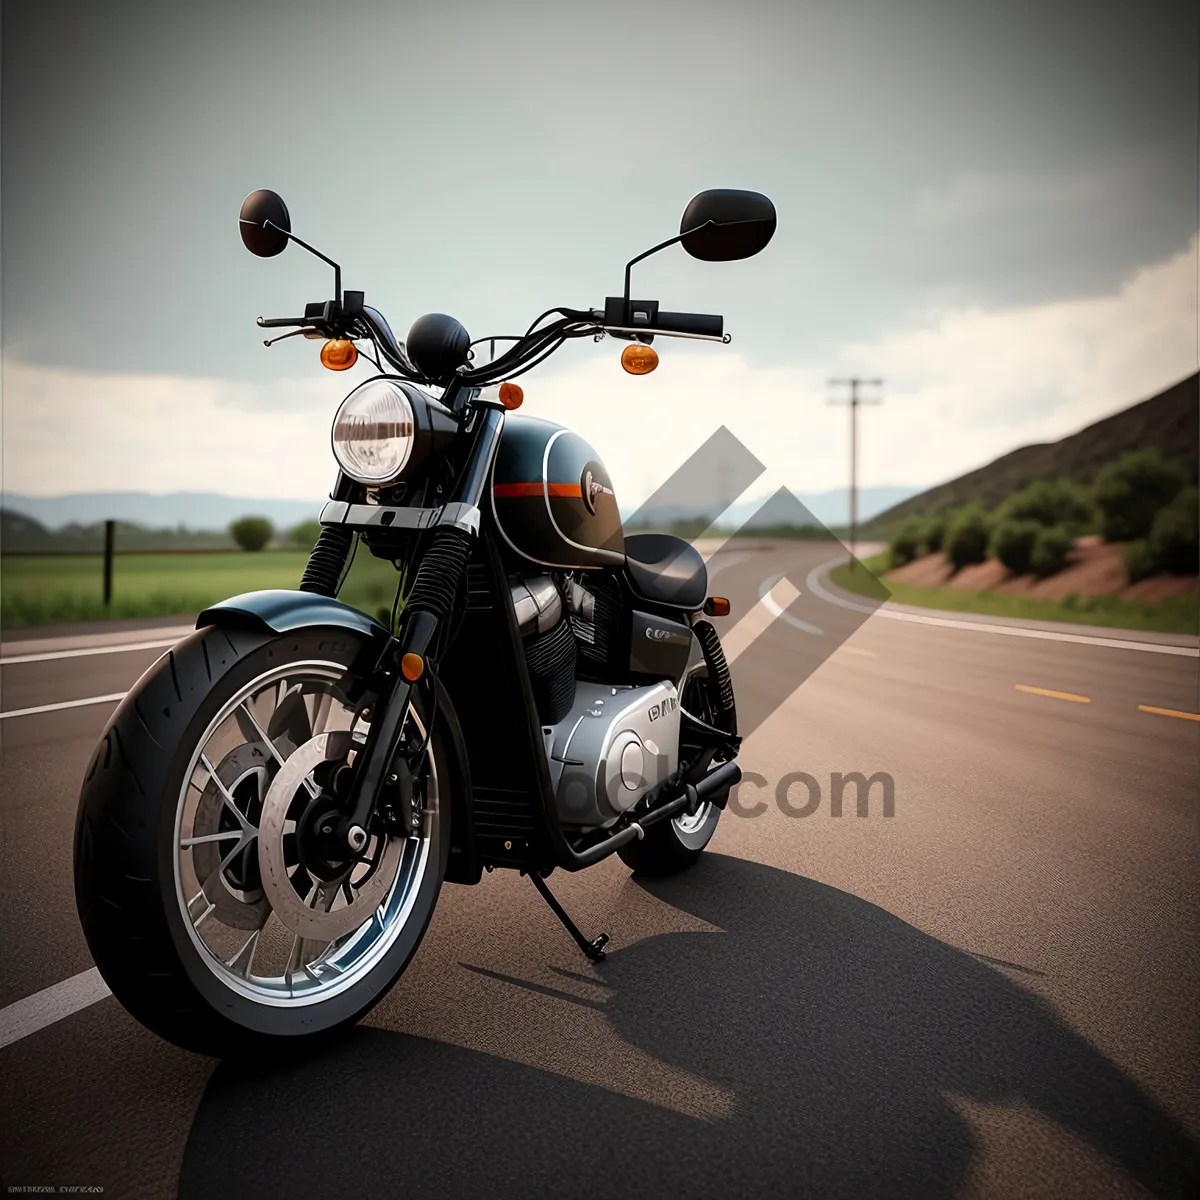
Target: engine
614,745
608,742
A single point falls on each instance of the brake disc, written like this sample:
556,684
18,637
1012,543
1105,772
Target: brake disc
236,890
325,913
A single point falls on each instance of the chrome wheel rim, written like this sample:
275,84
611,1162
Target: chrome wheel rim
239,935
690,823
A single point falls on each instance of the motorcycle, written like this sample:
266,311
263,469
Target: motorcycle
270,813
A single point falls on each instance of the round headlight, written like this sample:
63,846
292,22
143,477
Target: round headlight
373,432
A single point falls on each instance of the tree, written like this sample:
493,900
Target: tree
1174,541
251,533
933,532
304,536
1050,502
1130,492
1050,551
906,545
1012,543
967,536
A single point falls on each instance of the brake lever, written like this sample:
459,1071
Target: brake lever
310,331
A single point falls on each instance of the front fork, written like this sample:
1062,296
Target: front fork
403,662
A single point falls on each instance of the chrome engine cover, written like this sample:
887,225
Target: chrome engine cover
614,745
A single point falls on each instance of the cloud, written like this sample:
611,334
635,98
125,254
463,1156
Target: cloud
979,199
961,389
71,431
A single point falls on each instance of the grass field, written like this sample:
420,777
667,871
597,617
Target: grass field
49,589
1176,614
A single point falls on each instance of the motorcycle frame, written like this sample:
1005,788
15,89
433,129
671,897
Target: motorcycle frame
504,811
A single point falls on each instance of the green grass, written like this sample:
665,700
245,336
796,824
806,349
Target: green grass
1175,614
57,588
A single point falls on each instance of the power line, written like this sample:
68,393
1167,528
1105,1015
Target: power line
852,402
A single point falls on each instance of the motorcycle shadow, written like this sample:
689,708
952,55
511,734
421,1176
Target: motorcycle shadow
845,1034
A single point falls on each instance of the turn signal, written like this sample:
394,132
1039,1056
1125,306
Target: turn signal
511,395
639,359
339,354
411,666
716,606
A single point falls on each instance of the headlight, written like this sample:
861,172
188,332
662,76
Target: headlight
374,432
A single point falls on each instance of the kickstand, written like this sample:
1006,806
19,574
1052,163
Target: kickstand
593,949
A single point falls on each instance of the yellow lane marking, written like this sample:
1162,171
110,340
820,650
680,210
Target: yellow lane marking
1169,712
1021,687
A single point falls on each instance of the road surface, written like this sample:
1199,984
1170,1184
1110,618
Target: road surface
990,992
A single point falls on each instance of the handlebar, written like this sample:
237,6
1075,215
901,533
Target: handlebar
281,322
704,324
538,343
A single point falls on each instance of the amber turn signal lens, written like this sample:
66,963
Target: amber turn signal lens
511,395
339,354
716,606
639,359
411,666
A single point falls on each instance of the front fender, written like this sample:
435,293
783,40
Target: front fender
280,611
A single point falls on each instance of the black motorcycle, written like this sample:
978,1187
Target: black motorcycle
269,816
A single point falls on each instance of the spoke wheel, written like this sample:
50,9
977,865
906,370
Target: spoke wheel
272,917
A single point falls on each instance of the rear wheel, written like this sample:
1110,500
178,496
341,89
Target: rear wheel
215,904
673,846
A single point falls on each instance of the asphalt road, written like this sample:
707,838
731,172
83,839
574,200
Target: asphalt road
991,992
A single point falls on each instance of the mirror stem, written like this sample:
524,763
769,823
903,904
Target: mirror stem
646,254
337,271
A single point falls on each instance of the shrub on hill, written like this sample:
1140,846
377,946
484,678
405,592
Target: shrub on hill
251,533
933,533
1050,551
967,536
1050,502
1138,560
1012,542
906,545
1131,491
1174,541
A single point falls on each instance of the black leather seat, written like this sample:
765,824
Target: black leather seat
666,570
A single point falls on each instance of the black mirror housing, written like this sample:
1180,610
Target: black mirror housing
724,224
261,239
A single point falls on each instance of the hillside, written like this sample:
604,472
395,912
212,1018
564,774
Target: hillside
1169,422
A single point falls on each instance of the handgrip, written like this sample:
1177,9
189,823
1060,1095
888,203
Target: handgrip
708,324
281,322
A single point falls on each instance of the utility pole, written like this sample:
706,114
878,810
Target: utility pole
852,403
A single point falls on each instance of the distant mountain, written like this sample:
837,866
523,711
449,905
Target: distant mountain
831,508
192,510
1169,422
213,511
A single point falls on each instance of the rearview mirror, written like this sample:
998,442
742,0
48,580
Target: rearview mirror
258,237
724,224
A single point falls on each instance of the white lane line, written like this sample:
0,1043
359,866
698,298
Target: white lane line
12,659
815,586
758,619
45,708
772,591
51,1004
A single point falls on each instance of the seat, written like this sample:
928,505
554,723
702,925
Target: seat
666,570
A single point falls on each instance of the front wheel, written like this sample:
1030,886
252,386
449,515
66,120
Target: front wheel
215,907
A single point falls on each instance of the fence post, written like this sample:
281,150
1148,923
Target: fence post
110,532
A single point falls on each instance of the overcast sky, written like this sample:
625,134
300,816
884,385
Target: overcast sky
992,204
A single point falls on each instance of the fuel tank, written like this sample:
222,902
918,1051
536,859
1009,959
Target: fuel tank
552,498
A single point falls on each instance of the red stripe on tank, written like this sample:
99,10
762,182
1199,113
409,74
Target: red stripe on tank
508,490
